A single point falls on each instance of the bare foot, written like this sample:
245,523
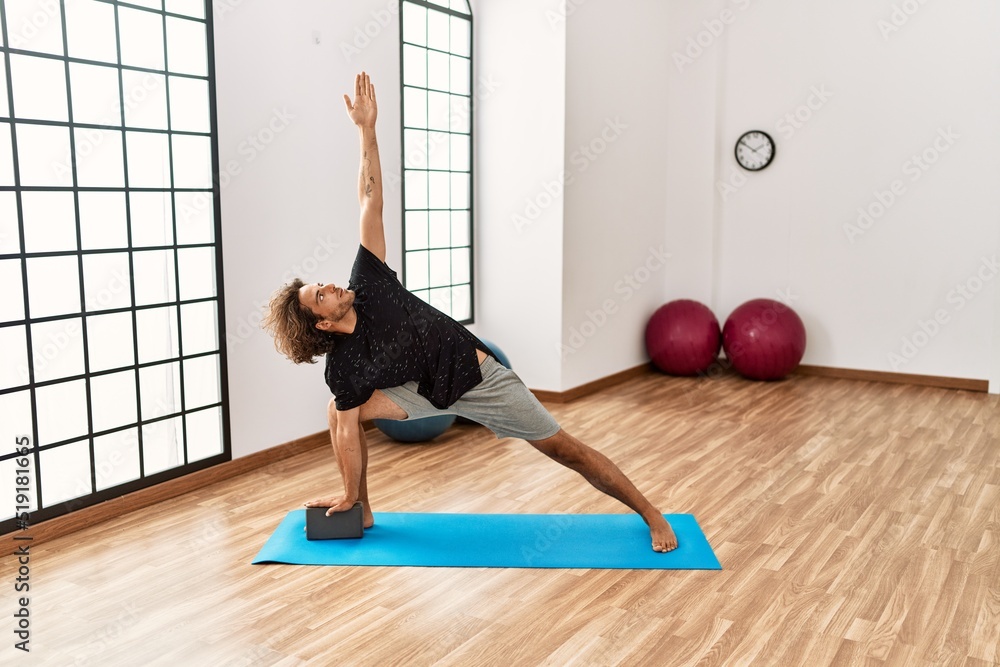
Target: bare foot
663,535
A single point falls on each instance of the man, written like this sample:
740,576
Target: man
389,355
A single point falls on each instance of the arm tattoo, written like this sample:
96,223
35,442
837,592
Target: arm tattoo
364,172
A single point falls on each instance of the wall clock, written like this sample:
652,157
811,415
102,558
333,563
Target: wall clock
755,150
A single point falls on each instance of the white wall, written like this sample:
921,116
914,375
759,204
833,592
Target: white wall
292,208
883,297
615,245
691,122
520,61
877,101
546,82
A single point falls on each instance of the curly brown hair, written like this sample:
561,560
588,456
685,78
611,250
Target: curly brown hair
293,326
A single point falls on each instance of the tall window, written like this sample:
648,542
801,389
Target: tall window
110,322
437,153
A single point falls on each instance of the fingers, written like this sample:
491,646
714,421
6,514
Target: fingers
333,505
364,92
342,507
323,502
363,86
367,86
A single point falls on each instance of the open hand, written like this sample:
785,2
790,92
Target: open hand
365,109
335,503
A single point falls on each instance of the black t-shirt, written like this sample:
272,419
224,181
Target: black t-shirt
399,338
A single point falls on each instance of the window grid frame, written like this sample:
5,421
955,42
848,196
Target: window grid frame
450,285
43,511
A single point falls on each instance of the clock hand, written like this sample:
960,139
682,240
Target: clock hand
750,147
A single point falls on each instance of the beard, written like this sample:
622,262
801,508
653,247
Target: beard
343,307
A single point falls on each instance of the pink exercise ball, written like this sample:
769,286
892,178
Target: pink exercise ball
683,337
764,339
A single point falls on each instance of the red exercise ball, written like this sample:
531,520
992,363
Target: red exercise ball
683,337
764,339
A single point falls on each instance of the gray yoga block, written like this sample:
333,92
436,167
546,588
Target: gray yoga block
337,526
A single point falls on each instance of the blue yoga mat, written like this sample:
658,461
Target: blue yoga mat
607,541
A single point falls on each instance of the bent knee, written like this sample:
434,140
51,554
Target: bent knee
380,406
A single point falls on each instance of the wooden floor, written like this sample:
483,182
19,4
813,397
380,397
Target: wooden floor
857,523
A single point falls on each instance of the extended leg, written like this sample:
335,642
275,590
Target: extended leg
605,476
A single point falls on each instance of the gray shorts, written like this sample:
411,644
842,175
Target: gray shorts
500,402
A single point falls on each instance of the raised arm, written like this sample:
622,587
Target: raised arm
363,112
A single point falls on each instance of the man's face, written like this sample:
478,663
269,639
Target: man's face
327,302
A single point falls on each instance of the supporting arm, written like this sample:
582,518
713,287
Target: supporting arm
350,449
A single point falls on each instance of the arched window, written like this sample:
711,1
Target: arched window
436,63
114,376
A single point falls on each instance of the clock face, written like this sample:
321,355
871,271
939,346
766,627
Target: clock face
755,150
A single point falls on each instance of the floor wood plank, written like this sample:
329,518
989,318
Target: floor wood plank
858,524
